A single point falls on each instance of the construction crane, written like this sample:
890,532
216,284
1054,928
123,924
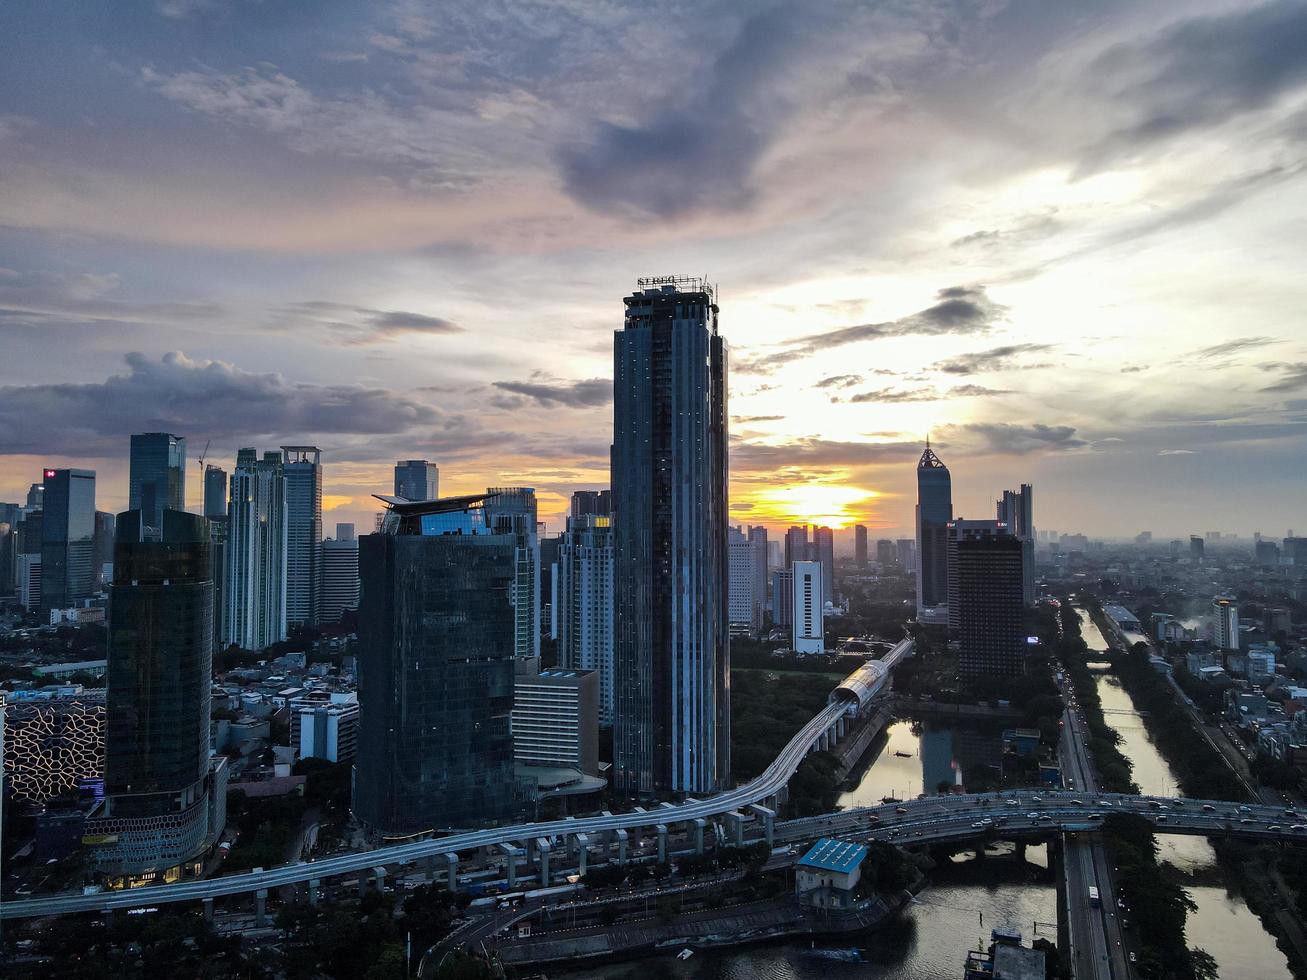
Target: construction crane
203,455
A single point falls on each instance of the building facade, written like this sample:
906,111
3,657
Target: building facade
934,511
436,670
302,468
417,479
157,476
1016,509
782,595
583,603
512,510
809,607
860,545
556,718
991,607
1225,623
823,551
215,492
669,468
67,538
53,742
159,783
254,585
745,603
340,575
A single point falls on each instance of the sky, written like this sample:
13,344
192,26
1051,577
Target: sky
1064,238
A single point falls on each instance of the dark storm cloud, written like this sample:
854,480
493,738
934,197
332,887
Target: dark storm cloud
1230,347
994,359
1010,438
212,399
1204,71
957,310
589,393
358,325
698,154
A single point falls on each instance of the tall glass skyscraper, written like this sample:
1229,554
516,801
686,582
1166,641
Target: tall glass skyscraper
669,462
417,479
934,511
436,667
302,467
583,606
1016,509
161,809
215,491
254,588
512,510
67,538
157,476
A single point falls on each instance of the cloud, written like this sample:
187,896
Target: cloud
1202,72
1231,347
815,452
1295,378
1014,439
839,381
699,154
927,394
748,419
210,399
358,325
956,310
994,359
1177,452
571,394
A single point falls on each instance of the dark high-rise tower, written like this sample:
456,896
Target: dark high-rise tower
157,476
215,492
987,569
302,467
67,538
435,743
1016,509
671,651
823,550
934,511
163,806
860,545
796,545
598,503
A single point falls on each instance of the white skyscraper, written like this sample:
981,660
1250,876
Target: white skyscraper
302,467
743,603
1225,623
809,608
340,574
512,510
254,592
583,610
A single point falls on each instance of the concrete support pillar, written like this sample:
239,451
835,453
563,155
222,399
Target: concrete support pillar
841,727
768,820
699,824
314,884
544,847
662,842
261,907
510,863
582,842
622,837
735,822
363,883
379,877
451,869
208,910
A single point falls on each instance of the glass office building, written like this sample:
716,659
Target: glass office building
157,476
67,538
671,643
934,511
436,668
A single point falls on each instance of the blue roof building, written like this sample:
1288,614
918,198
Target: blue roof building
828,874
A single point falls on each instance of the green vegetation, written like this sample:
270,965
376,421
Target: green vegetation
267,827
1272,880
1158,904
1199,768
767,710
814,787
885,870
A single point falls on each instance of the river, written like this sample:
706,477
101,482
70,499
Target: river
931,938
1222,924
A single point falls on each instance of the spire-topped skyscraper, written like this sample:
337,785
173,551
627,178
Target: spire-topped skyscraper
934,511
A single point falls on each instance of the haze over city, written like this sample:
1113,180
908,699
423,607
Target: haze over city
1064,239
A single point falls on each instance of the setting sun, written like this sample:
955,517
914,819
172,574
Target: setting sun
834,506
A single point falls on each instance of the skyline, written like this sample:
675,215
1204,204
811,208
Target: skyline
1059,241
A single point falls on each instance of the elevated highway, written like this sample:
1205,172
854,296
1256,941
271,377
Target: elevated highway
852,697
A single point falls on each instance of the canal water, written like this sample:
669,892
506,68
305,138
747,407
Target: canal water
966,899
1222,924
